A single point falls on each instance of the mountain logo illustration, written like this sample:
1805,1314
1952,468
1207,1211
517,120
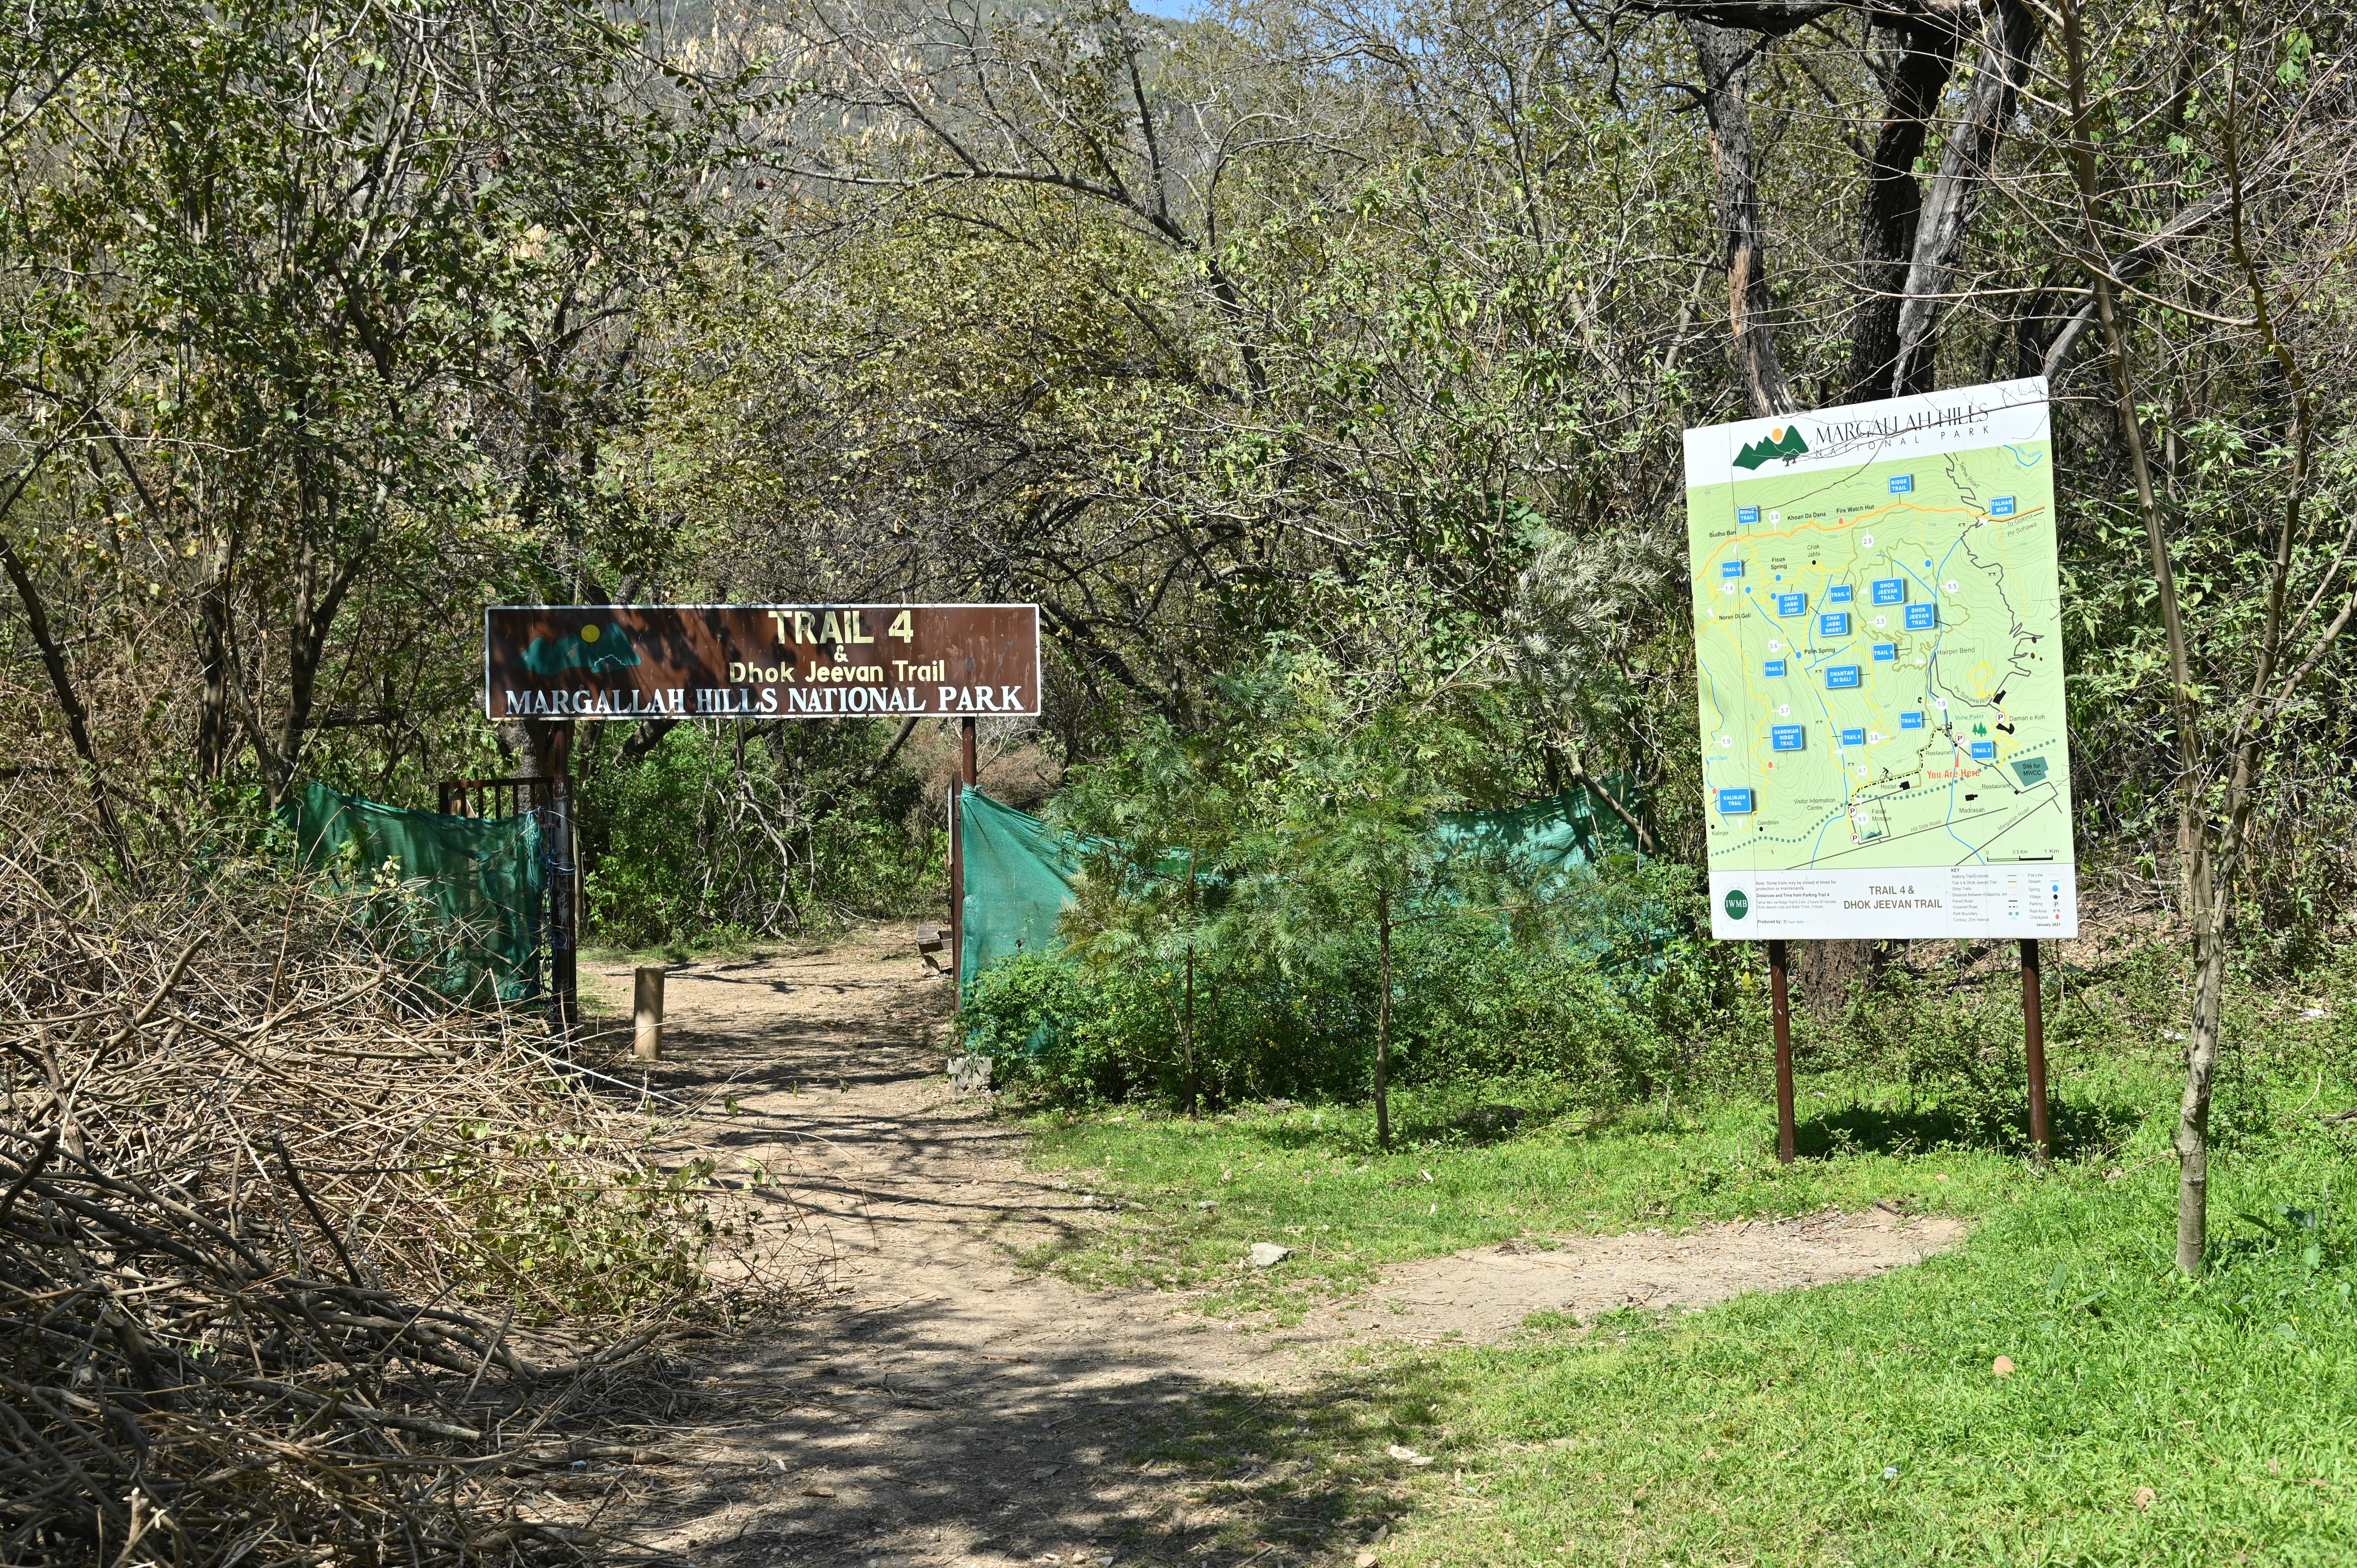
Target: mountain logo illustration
597,648
1785,444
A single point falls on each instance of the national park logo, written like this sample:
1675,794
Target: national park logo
1785,444
1738,904
597,648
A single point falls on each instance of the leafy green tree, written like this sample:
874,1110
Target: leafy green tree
1343,843
1160,825
314,319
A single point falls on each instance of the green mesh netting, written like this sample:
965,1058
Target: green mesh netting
460,897
1562,834
1018,879
1020,871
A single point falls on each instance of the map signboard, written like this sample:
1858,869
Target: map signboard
1879,659
760,662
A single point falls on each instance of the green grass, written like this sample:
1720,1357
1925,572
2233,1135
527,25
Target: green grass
1864,1423
1856,1424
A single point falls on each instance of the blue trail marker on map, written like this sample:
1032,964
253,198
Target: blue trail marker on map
1944,807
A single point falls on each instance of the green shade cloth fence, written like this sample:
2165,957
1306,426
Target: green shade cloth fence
1561,834
1018,880
1020,871
460,896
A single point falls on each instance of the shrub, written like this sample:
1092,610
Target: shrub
1606,1004
704,841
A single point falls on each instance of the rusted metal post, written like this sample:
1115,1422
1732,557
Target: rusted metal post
1779,1012
957,848
957,883
2033,1029
564,909
646,1013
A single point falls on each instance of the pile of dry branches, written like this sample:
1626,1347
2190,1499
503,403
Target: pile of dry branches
293,1264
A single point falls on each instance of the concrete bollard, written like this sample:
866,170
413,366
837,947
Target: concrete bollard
648,1046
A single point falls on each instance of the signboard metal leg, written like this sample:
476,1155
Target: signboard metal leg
957,846
565,910
1779,1012
957,883
2033,1022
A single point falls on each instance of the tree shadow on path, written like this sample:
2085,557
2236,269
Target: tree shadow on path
934,1404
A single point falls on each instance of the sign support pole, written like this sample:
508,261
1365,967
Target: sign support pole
957,883
957,845
2033,1028
564,887
1780,1011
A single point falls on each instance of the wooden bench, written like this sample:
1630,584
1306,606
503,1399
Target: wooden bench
932,942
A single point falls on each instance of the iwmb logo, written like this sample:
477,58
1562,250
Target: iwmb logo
1738,904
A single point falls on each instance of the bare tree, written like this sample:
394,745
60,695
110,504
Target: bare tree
2227,728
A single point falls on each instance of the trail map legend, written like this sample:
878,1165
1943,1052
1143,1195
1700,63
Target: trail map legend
1879,659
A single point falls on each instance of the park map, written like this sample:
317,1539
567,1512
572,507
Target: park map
1879,669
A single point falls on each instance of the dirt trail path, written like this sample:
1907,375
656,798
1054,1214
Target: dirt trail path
944,1408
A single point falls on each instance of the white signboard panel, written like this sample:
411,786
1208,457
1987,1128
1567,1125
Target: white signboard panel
1880,657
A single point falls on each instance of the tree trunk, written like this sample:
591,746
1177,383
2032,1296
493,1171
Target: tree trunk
1894,200
1187,1025
1829,971
2009,37
1384,1024
2192,1136
213,727
2191,1139
77,718
1726,55
541,748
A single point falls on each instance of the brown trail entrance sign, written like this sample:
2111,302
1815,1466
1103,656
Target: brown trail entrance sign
760,662
563,663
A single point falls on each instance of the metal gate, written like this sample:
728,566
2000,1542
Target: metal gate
552,799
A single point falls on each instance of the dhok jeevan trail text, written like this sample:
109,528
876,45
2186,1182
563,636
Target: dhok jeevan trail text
628,661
